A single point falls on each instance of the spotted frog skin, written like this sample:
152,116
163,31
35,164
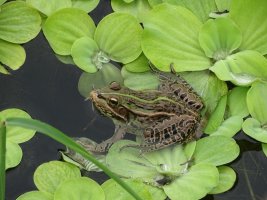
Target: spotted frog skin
162,117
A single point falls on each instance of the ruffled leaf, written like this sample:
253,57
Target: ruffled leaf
171,37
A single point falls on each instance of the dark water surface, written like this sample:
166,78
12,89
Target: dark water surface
47,90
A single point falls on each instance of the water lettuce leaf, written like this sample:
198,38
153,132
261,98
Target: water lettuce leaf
256,101
141,64
85,5
216,150
49,176
250,16
12,55
264,148
62,28
13,154
119,36
194,184
49,7
19,23
81,188
219,38
171,37
227,178
35,195
242,68
253,128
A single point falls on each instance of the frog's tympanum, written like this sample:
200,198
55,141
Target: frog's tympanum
162,117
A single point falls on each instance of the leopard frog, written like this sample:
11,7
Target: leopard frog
162,117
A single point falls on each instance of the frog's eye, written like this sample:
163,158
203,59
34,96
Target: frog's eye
113,101
114,85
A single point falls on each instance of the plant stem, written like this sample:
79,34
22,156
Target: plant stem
2,160
70,143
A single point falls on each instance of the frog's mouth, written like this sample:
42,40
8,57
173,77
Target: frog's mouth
101,103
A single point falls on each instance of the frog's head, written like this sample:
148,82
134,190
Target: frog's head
109,101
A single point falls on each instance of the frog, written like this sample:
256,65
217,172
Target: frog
161,117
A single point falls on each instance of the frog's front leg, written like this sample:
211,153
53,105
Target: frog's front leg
103,147
176,129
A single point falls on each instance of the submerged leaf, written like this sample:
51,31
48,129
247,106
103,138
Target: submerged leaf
171,37
19,23
194,184
81,188
216,150
250,16
139,81
119,36
227,178
253,128
219,38
62,28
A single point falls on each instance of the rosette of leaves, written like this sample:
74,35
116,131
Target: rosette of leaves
72,32
19,23
15,136
60,180
191,171
47,8
173,34
255,126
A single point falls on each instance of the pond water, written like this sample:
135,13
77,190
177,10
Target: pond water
47,90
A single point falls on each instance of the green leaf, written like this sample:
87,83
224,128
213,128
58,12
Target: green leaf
12,55
253,128
217,116
139,81
242,68
35,195
119,36
2,159
49,176
141,64
223,5
229,127
227,178
251,16
84,51
216,150
219,38
201,9
62,28
264,148
85,5
49,7
236,102
114,191
3,70
171,37
190,149
13,154
129,163
2,2
17,134
137,8
256,101
81,188
208,86
100,79
19,23
194,184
